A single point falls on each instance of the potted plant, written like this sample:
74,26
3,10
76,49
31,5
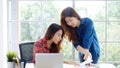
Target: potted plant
10,59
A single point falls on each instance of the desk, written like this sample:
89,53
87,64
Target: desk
102,65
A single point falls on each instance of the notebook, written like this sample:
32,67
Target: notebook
49,60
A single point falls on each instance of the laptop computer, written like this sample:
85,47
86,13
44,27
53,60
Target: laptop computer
49,60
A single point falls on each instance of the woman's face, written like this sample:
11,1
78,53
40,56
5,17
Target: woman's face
57,37
71,21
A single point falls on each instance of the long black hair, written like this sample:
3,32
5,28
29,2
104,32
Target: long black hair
69,31
52,29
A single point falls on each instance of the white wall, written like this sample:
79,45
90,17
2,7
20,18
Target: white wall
3,33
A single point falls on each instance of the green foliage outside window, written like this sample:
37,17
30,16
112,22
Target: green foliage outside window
44,14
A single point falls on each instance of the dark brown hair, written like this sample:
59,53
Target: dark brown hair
52,29
69,31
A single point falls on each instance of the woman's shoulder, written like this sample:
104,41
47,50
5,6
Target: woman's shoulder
40,41
86,19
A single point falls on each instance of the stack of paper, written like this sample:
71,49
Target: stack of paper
82,65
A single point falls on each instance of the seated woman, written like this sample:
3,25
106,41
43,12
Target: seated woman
51,42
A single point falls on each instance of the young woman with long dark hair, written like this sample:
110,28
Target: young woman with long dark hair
81,32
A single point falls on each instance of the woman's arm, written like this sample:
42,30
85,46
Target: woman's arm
72,63
84,51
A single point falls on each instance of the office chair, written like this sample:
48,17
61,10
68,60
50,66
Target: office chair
26,51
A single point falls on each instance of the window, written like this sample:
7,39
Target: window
35,16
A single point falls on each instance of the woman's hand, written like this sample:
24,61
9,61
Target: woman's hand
84,51
86,54
76,64
91,65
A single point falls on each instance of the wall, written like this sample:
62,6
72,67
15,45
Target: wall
3,33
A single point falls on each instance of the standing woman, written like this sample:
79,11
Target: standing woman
81,32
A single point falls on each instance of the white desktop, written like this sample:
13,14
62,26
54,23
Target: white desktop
102,65
59,58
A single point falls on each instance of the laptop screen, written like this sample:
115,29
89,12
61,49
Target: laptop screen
49,60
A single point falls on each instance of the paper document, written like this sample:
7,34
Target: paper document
83,64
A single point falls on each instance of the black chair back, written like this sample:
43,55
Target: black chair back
26,51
